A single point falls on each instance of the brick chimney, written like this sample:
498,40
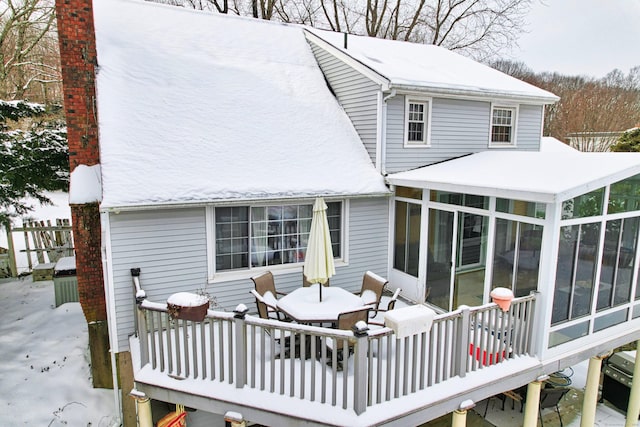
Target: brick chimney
78,60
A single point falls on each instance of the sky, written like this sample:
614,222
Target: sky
581,37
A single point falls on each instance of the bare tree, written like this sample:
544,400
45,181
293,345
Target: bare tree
29,66
479,28
591,112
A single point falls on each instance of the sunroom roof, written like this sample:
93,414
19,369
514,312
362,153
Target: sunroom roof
525,175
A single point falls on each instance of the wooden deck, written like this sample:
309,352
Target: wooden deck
233,361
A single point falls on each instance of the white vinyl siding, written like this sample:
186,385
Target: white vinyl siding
458,127
169,247
357,95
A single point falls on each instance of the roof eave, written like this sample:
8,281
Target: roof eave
475,93
533,196
234,201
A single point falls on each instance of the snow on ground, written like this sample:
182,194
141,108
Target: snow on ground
44,361
46,380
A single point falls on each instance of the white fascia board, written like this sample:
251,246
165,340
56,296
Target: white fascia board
533,196
598,183
474,95
349,60
239,202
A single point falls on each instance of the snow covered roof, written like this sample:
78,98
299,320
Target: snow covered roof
422,67
549,177
551,144
195,107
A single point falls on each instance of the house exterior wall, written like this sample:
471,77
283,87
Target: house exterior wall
458,127
170,248
357,95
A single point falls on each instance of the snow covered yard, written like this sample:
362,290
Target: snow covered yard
44,361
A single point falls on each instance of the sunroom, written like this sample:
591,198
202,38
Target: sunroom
562,224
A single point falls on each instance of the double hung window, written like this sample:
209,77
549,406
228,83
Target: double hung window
503,125
249,237
417,116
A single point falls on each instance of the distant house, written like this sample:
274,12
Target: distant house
593,141
217,133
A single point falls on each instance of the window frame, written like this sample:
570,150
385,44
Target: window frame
426,140
215,275
514,108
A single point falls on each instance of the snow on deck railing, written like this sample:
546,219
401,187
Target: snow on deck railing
305,362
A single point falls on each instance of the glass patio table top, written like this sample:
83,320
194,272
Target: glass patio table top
303,305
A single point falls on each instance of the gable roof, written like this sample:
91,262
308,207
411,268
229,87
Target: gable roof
195,107
545,176
427,68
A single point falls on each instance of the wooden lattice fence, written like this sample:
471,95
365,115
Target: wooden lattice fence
47,241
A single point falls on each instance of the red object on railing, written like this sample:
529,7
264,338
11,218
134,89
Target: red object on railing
493,357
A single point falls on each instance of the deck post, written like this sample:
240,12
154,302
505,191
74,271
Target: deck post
532,404
360,380
143,406
462,341
241,344
633,410
459,418
590,399
143,335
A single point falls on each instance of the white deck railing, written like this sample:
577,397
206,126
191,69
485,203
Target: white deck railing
293,360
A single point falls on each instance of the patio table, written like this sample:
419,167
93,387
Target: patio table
304,306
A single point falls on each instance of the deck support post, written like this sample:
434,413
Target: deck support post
459,418
234,419
633,410
143,406
532,404
590,399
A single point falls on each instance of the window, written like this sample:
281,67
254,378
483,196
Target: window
407,238
575,271
256,236
417,114
503,120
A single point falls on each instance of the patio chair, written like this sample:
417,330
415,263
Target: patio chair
267,311
371,291
549,398
391,305
306,283
265,288
346,321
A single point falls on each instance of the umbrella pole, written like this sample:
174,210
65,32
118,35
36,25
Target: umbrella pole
321,286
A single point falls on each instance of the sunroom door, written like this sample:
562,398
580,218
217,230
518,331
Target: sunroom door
455,239
406,252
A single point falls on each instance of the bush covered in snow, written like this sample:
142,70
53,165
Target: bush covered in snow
33,155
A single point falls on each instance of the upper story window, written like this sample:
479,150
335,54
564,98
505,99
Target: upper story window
503,125
417,118
248,237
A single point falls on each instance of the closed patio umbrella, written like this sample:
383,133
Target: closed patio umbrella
318,262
